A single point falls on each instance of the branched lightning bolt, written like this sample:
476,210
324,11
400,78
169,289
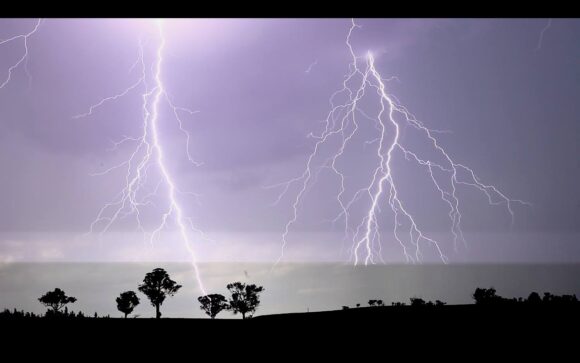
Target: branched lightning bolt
149,152
342,123
24,58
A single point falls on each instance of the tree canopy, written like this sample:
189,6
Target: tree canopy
127,301
213,304
56,299
157,285
245,298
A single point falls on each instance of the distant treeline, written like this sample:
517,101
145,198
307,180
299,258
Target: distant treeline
16,314
489,297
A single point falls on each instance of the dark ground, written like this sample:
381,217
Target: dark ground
485,332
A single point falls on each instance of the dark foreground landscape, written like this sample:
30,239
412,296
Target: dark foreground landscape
488,326
399,330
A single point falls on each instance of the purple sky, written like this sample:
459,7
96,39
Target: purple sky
510,104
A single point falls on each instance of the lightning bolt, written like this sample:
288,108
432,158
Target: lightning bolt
342,123
148,153
24,58
541,38
309,69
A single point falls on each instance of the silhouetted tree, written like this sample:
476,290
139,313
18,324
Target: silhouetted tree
534,298
344,307
440,303
485,296
376,303
569,299
213,304
548,298
245,298
56,300
358,305
15,314
416,301
126,302
157,286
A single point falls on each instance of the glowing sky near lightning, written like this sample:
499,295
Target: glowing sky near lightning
261,86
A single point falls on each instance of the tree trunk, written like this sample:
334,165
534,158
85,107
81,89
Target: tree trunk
243,315
126,315
157,312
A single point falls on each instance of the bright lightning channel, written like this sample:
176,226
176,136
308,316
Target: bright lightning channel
343,122
149,152
24,58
